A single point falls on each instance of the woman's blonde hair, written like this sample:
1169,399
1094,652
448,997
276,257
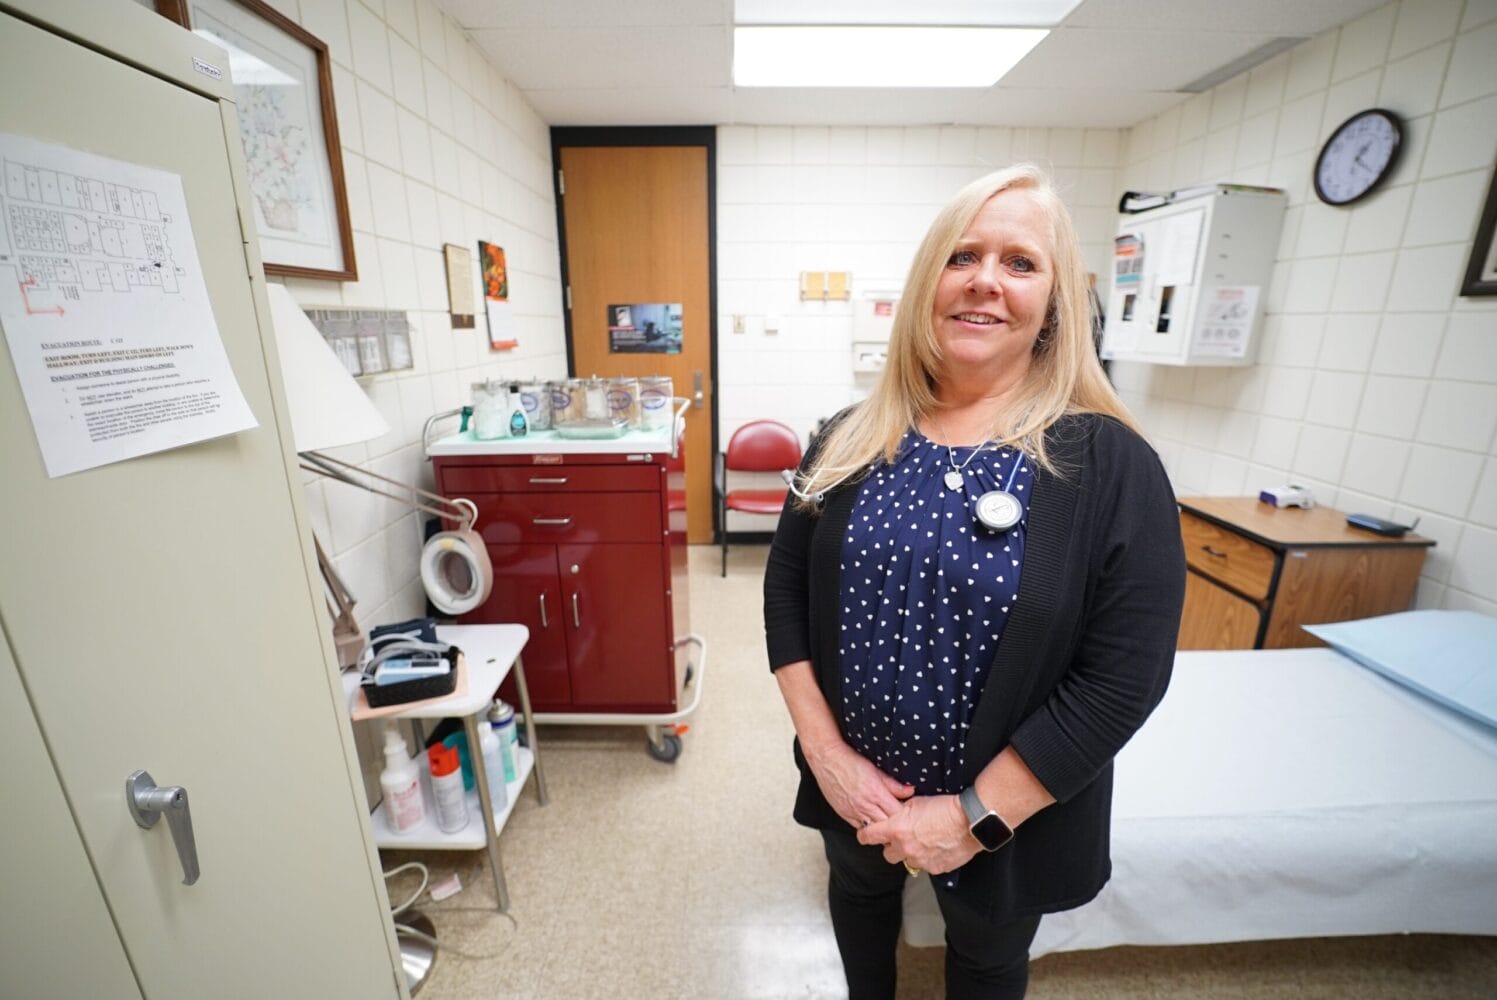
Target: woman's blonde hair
1064,374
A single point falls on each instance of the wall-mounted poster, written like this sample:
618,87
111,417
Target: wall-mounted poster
645,328
459,285
496,297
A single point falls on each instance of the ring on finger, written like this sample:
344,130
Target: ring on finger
911,869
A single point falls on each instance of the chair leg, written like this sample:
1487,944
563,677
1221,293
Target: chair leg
722,522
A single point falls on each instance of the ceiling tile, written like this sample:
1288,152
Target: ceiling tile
1281,17
1107,58
587,13
1110,108
643,106
596,58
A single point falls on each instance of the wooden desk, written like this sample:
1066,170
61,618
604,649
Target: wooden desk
1257,573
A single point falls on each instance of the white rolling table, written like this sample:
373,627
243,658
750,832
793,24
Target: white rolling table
490,651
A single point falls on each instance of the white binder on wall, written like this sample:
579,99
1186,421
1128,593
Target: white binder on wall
1189,277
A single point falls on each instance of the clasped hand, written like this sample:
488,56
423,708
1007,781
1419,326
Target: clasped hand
925,831
928,831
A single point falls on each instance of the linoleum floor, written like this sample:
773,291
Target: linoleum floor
689,880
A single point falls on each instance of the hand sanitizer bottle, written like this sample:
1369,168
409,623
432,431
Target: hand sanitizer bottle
401,783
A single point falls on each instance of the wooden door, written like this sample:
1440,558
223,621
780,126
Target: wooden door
637,231
1216,618
163,612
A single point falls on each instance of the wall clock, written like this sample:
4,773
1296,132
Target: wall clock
1357,156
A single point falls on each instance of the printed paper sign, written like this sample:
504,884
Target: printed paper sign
105,310
1227,322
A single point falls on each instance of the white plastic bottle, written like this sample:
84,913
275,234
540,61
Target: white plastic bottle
447,788
502,718
401,782
493,764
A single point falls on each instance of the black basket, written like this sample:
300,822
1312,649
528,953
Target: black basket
384,695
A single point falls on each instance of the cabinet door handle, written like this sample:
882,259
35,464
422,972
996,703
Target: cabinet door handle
576,615
1212,552
148,800
549,481
545,622
560,522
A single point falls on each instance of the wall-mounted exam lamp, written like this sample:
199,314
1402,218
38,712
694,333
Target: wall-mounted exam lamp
330,410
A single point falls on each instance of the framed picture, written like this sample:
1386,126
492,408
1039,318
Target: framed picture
283,89
1481,272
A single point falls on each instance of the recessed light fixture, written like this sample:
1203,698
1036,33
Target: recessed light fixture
886,43
877,55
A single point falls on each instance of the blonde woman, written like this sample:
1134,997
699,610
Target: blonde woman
973,602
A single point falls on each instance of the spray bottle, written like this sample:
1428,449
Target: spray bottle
401,783
493,764
447,788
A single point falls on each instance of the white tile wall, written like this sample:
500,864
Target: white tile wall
1378,382
858,200
438,148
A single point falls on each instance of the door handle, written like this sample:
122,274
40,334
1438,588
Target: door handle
544,622
576,615
560,522
147,801
698,394
549,480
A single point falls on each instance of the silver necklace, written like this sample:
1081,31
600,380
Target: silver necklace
997,510
953,478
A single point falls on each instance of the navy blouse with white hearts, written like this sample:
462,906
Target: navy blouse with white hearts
927,590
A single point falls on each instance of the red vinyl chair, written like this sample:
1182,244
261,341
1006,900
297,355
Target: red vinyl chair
757,446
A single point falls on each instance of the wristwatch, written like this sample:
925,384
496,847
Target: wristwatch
986,825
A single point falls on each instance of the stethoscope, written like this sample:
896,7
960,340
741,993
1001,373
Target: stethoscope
997,510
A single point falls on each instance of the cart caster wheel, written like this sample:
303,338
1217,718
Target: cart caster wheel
669,749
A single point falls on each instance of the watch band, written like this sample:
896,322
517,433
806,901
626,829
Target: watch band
988,828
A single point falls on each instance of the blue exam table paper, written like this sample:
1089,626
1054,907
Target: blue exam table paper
1448,656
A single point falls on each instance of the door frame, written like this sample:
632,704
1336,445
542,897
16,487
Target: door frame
563,136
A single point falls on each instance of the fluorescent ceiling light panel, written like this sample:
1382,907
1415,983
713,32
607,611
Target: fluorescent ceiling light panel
863,56
1005,14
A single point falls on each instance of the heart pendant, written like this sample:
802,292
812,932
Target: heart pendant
953,480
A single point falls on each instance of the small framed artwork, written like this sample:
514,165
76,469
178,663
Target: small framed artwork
283,92
1481,272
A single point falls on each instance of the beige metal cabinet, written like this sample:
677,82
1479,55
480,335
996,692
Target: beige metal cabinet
162,613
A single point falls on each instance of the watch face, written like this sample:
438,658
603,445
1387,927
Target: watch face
991,832
1357,156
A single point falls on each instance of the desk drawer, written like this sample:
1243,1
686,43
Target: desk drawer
463,479
518,518
1227,557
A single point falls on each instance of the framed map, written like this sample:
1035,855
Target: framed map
283,91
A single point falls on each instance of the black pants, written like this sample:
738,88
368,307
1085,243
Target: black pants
984,961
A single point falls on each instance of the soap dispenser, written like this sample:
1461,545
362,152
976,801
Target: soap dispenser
519,424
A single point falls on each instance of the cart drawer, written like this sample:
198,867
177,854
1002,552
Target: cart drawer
1227,557
514,518
461,480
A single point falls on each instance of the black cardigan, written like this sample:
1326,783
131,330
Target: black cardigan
1085,656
